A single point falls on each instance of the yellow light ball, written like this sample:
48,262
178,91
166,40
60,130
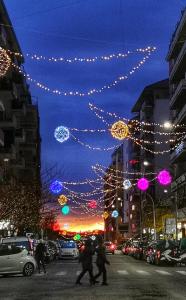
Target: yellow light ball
62,199
105,215
119,130
5,62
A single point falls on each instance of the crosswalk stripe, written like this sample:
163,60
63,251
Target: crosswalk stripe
142,272
61,273
163,272
123,272
181,272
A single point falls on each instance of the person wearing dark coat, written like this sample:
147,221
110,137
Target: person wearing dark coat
86,259
40,255
101,260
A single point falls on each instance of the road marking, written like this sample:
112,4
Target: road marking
181,272
163,272
61,273
123,272
142,272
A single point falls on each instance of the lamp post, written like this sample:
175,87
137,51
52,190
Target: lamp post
153,211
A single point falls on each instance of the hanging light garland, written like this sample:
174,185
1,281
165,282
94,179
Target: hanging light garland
94,59
5,62
90,92
119,130
61,134
62,199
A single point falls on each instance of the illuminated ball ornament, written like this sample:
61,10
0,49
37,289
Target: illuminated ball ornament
56,187
127,184
77,237
143,184
62,199
5,62
115,214
105,215
119,130
65,210
164,177
61,134
92,204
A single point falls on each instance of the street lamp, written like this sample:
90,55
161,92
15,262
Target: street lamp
167,125
154,213
146,163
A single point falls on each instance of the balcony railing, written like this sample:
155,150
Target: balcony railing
178,93
179,153
180,116
178,69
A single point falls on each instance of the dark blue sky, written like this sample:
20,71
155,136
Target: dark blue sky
89,28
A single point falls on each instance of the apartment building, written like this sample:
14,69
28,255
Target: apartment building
151,108
176,58
19,117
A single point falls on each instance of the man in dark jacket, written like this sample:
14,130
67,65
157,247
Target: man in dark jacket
40,255
86,259
101,260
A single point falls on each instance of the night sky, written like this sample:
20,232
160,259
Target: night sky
88,28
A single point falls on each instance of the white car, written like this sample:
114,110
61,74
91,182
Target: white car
15,260
68,249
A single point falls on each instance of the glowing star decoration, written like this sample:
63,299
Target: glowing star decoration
61,134
119,130
164,177
105,215
127,184
92,204
143,184
77,237
115,214
5,62
62,200
65,210
56,187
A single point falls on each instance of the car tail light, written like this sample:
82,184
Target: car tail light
158,254
112,247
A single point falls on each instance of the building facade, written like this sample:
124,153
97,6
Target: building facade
151,109
19,117
176,58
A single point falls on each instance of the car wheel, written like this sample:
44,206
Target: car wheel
28,269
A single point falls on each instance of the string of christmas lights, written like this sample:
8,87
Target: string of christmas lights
94,108
90,92
94,59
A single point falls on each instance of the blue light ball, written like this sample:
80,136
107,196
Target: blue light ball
65,210
115,214
61,134
56,187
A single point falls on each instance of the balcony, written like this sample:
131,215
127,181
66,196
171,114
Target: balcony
180,117
179,154
178,98
178,70
178,36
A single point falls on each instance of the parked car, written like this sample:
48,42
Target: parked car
110,247
126,248
22,241
138,249
159,251
68,249
16,259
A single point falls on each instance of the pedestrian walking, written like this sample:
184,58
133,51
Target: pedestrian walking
40,255
85,258
101,260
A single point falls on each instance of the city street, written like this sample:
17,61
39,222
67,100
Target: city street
128,279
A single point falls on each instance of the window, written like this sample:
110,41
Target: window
133,207
4,250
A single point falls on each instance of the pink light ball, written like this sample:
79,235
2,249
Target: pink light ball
143,184
164,177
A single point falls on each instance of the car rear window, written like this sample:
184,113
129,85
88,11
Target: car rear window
21,244
65,244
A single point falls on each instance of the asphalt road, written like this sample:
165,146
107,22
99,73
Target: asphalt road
128,279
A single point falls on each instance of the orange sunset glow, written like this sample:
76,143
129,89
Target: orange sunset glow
75,224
